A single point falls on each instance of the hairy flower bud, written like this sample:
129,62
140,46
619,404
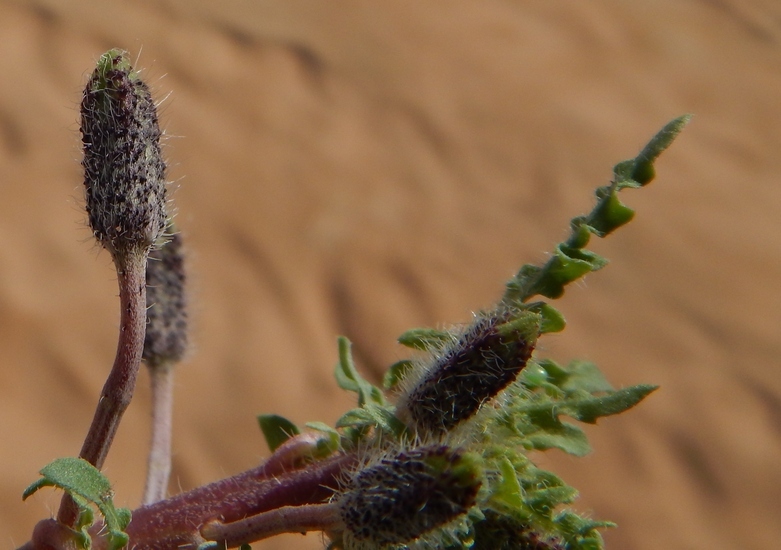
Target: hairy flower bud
124,171
407,495
166,313
473,369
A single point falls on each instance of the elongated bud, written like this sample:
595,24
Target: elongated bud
124,172
469,372
165,341
407,495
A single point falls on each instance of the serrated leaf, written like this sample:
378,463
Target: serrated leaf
87,485
581,406
577,376
396,373
565,437
276,429
570,260
425,339
609,214
538,427
347,377
546,499
590,409
568,264
579,532
585,376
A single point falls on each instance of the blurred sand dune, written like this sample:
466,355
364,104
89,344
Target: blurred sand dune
361,168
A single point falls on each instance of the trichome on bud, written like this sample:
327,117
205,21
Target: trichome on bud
405,496
165,341
469,372
124,171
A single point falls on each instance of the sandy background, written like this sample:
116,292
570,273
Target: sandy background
361,168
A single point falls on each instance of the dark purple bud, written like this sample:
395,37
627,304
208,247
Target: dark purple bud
124,172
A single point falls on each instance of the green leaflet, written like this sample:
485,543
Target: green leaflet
642,171
508,491
425,339
347,377
578,375
276,429
373,416
558,435
582,406
87,485
552,319
332,440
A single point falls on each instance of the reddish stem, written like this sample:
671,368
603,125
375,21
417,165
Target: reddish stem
118,389
288,519
178,520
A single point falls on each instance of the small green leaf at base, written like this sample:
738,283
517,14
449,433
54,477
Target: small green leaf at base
87,485
276,429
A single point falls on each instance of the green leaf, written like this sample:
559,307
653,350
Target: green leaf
570,260
580,406
396,373
610,213
552,319
425,339
568,264
577,376
546,499
373,416
643,170
579,532
347,377
562,436
508,492
276,429
590,409
330,443
87,485
586,376
539,428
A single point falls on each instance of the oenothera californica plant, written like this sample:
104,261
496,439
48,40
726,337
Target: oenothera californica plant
435,458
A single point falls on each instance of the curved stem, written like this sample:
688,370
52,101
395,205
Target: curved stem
118,389
177,521
288,519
